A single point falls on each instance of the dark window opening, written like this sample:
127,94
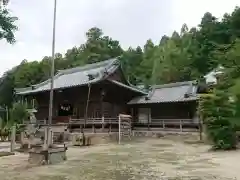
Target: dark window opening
65,109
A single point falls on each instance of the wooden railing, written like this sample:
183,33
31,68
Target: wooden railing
163,123
94,121
42,122
167,121
82,121
172,121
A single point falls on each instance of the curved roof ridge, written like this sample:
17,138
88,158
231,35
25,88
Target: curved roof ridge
107,63
129,87
88,66
101,69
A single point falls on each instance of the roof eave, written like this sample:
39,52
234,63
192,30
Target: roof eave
36,92
128,87
30,90
161,102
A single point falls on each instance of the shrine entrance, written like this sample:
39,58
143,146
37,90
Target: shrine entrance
65,109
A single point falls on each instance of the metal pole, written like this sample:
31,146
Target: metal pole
52,72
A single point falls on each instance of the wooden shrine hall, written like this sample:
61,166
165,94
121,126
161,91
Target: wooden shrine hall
91,96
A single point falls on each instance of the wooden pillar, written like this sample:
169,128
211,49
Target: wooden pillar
200,130
86,110
119,129
102,108
32,103
181,125
1,123
93,128
148,122
110,127
103,123
149,118
132,114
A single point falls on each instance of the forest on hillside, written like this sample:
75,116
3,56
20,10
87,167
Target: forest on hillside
185,55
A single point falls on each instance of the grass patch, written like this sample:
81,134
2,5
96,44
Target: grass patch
2,154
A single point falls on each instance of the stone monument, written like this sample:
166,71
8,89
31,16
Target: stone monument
42,150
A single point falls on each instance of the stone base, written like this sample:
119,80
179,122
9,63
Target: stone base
93,138
159,134
49,156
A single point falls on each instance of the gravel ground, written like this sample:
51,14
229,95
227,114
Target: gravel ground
151,159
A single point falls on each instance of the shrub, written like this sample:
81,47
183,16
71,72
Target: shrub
222,134
217,111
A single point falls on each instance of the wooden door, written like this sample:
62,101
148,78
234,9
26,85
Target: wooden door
143,115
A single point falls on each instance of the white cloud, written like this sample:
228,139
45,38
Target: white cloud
131,22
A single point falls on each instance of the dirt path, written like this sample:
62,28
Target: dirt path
153,159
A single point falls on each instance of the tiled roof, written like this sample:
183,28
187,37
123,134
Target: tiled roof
75,76
80,76
173,92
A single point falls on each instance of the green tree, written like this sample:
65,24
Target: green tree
3,2
25,73
172,61
7,90
147,63
99,47
131,61
218,112
18,113
7,23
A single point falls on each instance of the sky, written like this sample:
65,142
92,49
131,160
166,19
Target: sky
131,22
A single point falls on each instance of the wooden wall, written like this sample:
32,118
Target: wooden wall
112,103
184,110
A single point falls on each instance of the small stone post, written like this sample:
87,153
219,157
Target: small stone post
45,144
13,137
50,142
